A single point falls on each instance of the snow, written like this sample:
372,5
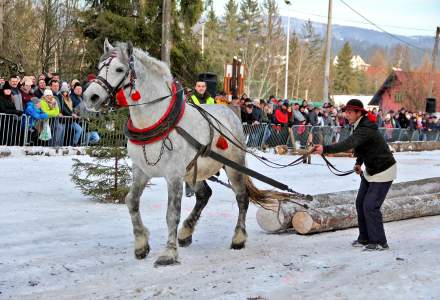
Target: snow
56,244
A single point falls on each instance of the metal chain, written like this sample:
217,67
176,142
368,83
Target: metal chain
162,148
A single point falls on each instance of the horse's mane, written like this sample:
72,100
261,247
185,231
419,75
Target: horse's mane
149,62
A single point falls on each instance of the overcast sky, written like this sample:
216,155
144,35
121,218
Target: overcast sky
406,17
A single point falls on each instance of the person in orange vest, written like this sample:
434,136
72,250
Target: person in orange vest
201,95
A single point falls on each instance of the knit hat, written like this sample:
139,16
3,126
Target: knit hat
47,92
74,82
91,76
64,87
7,86
356,105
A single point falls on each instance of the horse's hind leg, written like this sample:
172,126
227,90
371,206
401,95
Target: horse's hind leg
238,182
140,180
203,193
175,191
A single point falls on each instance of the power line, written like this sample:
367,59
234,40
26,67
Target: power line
381,29
360,22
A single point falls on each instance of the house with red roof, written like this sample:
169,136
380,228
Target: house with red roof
408,90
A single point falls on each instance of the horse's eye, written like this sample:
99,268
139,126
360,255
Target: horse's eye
119,70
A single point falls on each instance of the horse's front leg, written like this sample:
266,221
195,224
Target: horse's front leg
175,191
140,180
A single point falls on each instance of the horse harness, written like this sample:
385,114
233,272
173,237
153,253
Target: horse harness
169,121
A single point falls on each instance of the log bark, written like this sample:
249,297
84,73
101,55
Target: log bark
344,216
278,217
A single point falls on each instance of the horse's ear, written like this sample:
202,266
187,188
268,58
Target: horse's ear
129,48
107,46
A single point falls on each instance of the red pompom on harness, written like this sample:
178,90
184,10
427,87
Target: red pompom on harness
222,143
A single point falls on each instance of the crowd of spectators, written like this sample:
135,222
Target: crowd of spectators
286,113
47,107
48,99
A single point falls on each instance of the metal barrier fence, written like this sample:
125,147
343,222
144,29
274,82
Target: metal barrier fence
270,135
56,132
67,131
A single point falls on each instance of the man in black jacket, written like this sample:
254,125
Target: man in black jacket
371,149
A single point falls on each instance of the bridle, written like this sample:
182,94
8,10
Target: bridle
109,89
112,91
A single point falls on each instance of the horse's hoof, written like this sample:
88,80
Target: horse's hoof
142,253
238,246
165,261
185,242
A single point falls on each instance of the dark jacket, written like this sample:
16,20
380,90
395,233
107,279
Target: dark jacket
403,121
248,118
7,105
313,118
369,147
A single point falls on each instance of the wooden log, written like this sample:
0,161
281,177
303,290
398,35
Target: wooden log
278,218
344,216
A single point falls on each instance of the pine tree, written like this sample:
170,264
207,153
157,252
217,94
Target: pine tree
107,177
229,28
141,23
344,82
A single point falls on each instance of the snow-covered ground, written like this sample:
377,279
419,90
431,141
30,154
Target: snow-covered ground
55,244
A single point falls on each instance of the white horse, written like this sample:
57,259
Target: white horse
169,157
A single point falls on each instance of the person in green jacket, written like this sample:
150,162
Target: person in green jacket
49,104
201,95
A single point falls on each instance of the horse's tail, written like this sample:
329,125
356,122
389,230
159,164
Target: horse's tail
265,198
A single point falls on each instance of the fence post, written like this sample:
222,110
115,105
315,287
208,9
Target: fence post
26,130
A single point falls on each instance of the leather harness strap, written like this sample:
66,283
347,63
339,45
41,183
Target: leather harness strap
232,164
163,126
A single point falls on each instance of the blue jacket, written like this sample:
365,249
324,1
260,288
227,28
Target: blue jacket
34,113
76,100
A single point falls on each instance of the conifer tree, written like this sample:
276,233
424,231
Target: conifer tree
345,80
107,177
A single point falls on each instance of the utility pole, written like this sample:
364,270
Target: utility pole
2,22
203,37
166,32
434,59
286,79
325,91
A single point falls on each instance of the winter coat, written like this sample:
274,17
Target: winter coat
17,98
75,99
7,105
51,112
313,118
369,146
34,113
281,117
248,118
403,121
25,98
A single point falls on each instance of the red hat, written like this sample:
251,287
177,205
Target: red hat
356,105
91,76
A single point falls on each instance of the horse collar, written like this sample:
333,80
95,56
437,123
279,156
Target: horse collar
161,129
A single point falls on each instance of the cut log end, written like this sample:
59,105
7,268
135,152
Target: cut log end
302,222
269,220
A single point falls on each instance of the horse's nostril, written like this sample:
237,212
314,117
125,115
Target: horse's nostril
94,98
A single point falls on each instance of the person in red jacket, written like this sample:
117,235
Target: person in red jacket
281,114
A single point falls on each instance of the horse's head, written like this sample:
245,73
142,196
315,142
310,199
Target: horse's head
113,74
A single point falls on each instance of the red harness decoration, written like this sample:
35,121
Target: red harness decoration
222,143
159,122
